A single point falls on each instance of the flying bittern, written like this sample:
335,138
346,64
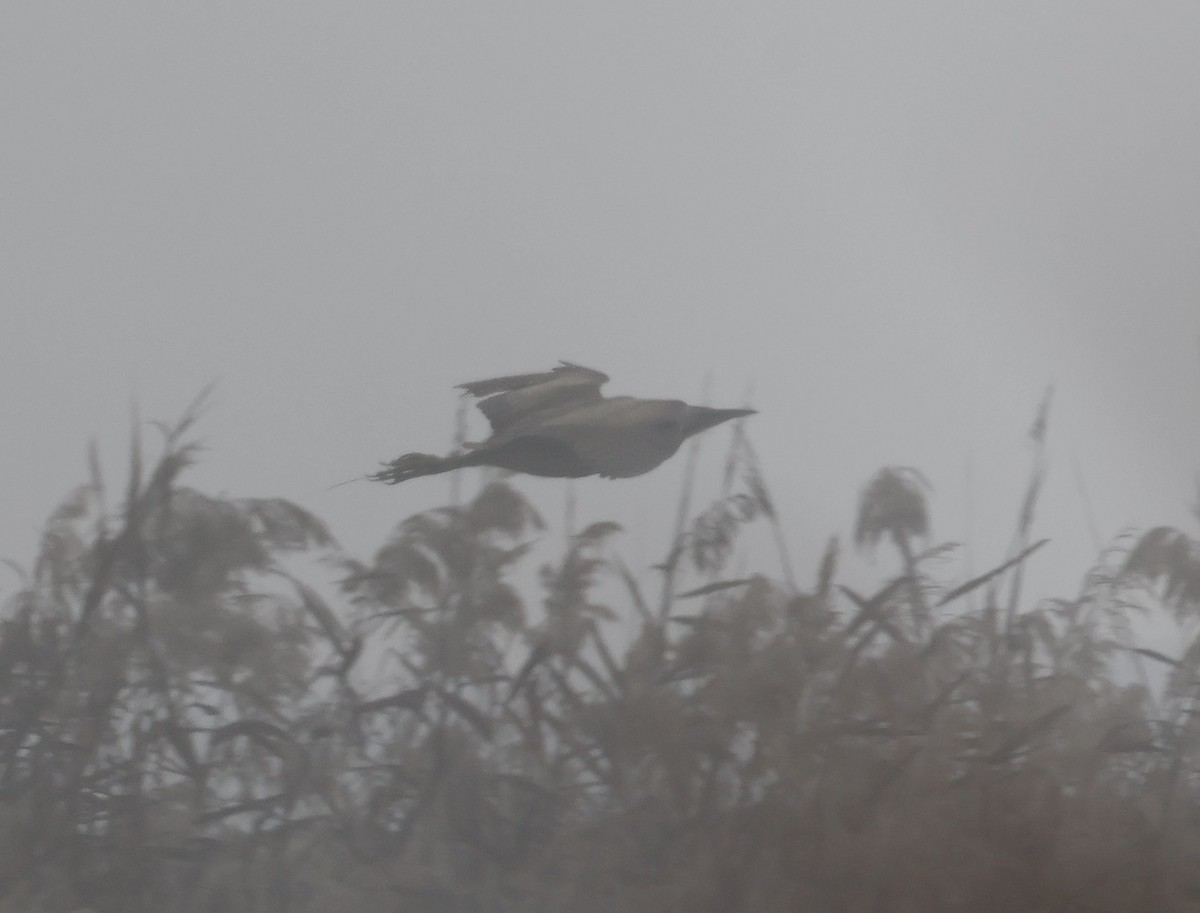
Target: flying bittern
557,424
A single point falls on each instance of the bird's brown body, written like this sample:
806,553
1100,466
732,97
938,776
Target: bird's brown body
556,424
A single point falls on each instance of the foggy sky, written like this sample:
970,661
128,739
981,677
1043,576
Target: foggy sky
886,226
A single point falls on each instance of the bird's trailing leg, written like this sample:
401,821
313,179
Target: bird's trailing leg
415,465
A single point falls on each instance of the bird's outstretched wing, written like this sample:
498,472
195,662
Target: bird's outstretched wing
516,397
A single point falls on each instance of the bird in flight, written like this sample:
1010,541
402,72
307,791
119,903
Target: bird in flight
556,424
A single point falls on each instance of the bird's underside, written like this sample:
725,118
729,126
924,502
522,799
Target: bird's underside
556,424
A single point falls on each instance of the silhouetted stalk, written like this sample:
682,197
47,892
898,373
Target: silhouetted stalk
781,547
921,615
1024,529
460,437
682,513
670,565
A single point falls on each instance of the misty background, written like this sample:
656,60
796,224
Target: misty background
888,227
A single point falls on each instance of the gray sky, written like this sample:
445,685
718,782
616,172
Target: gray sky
892,223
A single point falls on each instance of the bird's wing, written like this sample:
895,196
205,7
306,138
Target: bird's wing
518,397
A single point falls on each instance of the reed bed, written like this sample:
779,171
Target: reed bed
187,725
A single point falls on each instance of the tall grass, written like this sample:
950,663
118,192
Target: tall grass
186,726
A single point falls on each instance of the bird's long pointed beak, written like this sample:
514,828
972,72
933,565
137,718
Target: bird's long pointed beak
701,418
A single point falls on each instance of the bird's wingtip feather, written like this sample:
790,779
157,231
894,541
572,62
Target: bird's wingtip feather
598,376
480,388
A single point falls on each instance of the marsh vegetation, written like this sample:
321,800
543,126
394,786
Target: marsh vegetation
205,705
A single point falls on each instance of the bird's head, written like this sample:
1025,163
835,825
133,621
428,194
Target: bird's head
641,433
700,418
